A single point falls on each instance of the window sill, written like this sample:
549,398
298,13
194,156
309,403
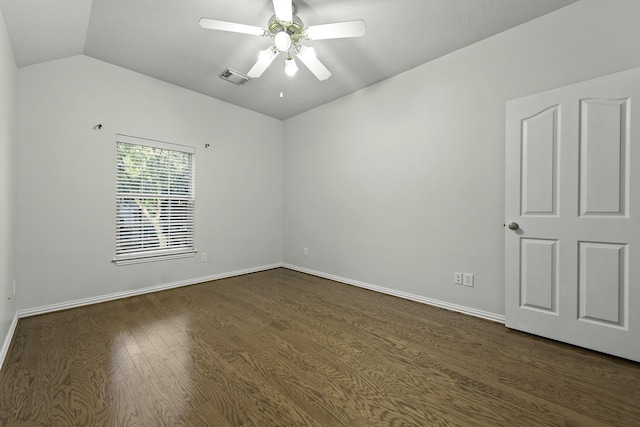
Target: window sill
138,259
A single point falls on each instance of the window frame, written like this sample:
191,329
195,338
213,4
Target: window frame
158,254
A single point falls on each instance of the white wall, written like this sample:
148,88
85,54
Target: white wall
398,185
7,187
401,184
66,179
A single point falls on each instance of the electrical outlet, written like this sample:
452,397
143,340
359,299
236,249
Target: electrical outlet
203,257
305,251
457,278
468,279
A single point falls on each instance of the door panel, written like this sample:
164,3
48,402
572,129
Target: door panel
572,267
603,273
539,148
538,282
603,149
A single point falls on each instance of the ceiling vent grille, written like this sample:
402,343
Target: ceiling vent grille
234,77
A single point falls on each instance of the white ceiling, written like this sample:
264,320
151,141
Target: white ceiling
162,39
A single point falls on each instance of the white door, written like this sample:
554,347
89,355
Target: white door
573,189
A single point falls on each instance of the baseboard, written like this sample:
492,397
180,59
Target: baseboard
437,303
126,294
7,339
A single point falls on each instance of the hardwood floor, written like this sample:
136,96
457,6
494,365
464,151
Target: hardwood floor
281,348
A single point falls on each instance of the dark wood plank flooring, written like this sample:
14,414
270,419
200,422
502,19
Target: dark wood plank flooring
281,348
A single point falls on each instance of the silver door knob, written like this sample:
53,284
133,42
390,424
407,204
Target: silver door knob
513,226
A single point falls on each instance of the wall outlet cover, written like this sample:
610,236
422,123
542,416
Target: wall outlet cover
468,279
457,278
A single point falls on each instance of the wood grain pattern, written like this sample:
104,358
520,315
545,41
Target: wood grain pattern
281,348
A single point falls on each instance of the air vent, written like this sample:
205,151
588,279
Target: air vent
234,77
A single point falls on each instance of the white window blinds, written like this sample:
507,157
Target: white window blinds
154,201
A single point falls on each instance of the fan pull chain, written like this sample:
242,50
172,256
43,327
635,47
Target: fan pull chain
282,80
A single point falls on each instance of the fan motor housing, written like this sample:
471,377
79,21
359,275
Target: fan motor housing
295,28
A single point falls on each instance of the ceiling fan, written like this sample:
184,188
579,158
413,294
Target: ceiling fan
288,32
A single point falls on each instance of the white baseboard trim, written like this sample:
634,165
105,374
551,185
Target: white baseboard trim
437,303
7,339
118,295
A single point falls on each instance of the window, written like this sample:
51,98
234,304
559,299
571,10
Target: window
154,200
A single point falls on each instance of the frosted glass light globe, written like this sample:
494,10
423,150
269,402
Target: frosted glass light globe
283,41
290,67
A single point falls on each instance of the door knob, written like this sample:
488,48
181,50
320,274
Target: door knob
513,226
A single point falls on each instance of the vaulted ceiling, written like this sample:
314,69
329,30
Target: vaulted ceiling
162,39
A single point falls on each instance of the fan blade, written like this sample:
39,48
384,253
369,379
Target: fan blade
265,59
283,9
308,57
337,30
214,24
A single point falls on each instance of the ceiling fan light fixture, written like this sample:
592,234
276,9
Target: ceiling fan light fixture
283,41
267,55
290,67
265,58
